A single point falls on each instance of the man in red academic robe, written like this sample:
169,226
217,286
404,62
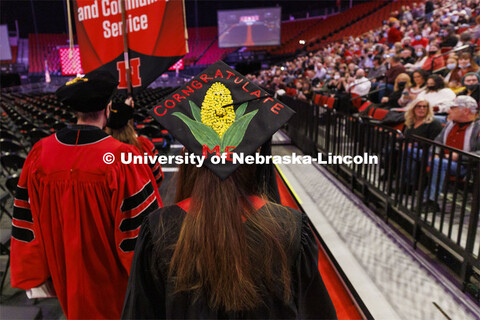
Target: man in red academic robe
76,218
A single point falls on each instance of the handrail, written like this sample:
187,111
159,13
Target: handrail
434,198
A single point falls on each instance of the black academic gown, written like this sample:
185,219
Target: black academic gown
149,296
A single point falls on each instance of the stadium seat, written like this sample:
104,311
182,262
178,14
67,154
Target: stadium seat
379,113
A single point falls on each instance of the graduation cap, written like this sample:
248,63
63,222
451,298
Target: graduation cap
90,93
220,111
120,113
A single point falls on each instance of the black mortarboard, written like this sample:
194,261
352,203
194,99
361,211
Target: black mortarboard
90,93
120,113
221,111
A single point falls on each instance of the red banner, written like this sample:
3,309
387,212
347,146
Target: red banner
156,37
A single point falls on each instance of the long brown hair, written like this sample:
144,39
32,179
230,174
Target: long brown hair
216,255
126,134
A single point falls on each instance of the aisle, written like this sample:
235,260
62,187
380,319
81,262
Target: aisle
393,280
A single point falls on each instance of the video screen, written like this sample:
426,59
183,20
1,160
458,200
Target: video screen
249,27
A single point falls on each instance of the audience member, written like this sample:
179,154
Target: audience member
419,85
434,60
305,92
452,66
436,93
463,133
471,81
401,87
360,85
465,65
420,120
394,33
450,39
419,41
396,67
406,56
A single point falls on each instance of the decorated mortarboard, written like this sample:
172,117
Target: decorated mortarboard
89,93
120,113
221,112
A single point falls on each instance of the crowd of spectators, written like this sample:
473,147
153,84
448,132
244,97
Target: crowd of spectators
418,64
435,37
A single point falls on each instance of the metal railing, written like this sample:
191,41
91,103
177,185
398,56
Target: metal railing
430,190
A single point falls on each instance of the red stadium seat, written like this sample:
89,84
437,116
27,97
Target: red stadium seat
291,91
356,101
331,102
379,114
364,106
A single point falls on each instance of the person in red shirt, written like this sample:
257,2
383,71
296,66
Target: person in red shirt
419,41
463,133
77,211
434,60
394,34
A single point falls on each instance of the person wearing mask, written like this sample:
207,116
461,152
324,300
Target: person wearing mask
120,126
452,66
334,83
224,250
463,133
401,87
367,60
471,82
465,65
434,60
77,215
419,41
421,56
436,93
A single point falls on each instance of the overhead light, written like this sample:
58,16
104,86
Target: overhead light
301,41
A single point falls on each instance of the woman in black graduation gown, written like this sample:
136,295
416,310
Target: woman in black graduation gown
224,252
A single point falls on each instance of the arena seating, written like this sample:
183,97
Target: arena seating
44,47
331,25
371,22
203,46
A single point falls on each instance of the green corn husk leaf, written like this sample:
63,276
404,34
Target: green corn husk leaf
234,135
195,111
204,134
240,110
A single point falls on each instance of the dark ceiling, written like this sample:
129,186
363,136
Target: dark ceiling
44,16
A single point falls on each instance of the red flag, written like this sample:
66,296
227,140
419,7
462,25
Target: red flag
156,37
